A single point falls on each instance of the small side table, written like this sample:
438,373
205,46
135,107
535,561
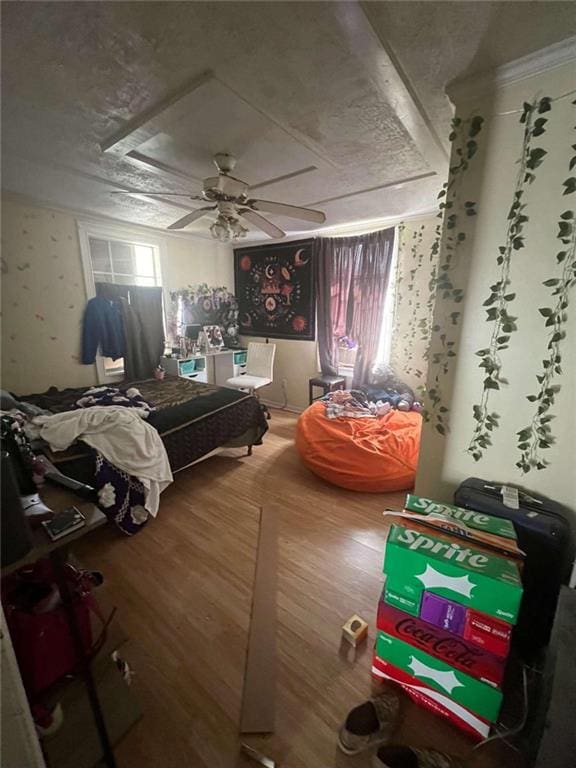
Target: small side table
326,384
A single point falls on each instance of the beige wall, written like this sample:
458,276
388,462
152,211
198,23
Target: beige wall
44,295
295,362
444,461
189,262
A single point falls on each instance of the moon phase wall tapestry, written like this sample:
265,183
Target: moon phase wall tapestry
274,286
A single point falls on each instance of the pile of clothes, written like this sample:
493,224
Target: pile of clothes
384,392
352,404
131,467
129,398
358,404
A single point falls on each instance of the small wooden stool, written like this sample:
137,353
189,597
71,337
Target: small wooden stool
326,383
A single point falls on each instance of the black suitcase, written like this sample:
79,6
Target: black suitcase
545,536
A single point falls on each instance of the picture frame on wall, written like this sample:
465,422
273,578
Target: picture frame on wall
274,286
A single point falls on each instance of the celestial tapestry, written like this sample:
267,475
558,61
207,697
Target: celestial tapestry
275,290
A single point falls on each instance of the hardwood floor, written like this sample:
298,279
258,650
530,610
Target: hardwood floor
183,589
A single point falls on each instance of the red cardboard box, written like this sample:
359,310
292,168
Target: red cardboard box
454,650
488,633
431,699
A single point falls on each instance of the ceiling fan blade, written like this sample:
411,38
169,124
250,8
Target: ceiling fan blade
190,217
294,211
156,192
261,222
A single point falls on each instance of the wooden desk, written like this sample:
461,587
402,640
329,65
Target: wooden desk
213,367
59,499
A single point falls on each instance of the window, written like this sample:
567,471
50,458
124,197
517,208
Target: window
347,347
123,263
119,257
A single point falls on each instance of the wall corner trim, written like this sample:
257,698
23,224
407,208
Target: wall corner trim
545,59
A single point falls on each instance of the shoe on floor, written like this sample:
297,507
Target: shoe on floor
410,757
369,724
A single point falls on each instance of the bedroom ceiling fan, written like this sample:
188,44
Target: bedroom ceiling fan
231,199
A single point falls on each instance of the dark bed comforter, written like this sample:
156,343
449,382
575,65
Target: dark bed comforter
193,419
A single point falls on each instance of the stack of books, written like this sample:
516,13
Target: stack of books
451,597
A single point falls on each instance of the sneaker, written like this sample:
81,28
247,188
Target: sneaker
369,724
410,757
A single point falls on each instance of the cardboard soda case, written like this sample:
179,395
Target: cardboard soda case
432,699
443,613
477,696
488,633
498,535
416,561
455,651
394,596
485,631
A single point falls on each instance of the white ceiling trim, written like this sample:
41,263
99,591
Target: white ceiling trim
389,185
137,130
349,230
160,168
374,50
536,63
141,128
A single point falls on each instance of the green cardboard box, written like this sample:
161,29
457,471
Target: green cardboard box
416,561
479,697
469,518
393,596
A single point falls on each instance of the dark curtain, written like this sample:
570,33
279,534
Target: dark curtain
112,291
143,319
143,330
352,278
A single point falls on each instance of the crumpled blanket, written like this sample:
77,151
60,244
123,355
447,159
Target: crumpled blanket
121,436
129,398
352,404
121,497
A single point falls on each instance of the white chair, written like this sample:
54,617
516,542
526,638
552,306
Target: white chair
259,368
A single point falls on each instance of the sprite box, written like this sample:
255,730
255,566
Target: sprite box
416,561
473,694
487,530
394,596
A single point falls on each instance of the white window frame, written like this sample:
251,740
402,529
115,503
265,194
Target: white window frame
88,229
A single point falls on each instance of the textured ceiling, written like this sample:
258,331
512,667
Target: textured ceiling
338,105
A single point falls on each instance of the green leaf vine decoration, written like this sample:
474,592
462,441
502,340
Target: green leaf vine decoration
537,436
501,296
414,300
442,287
398,280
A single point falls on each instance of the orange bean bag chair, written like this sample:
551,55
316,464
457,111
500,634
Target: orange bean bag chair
375,455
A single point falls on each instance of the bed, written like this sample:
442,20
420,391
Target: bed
193,420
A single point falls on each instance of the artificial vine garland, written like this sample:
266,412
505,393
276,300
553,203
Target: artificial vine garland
537,436
463,136
500,297
414,303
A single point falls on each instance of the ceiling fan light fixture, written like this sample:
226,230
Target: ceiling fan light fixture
238,229
227,228
230,197
221,230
